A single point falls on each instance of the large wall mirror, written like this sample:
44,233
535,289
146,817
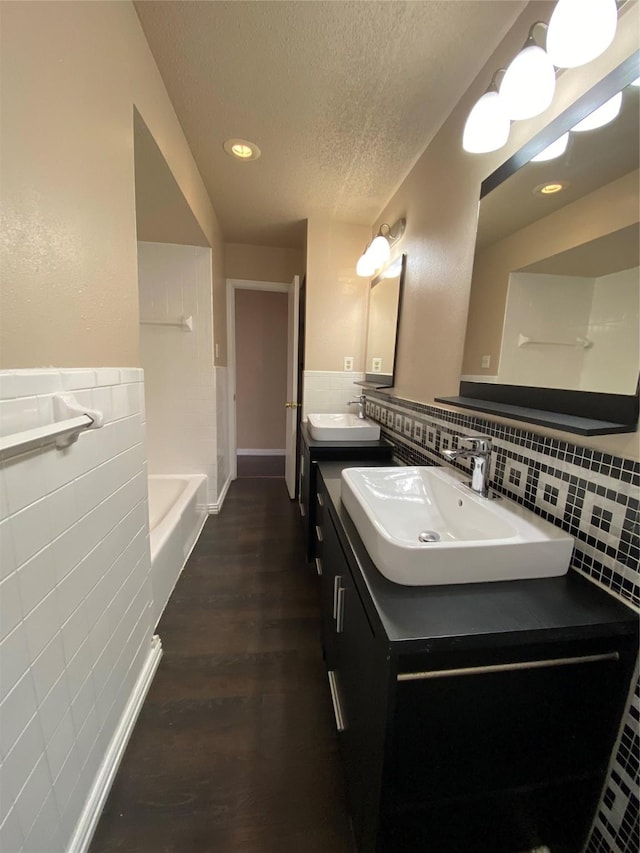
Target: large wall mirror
385,297
554,310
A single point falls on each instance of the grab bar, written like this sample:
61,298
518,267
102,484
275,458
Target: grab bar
62,432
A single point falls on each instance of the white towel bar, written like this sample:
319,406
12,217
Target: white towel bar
62,432
185,323
585,343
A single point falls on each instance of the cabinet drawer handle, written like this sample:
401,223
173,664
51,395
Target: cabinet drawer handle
335,699
340,610
319,565
505,667
302,512
336,587
320,500
319,532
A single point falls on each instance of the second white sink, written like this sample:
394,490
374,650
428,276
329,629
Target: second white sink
423,526
342,427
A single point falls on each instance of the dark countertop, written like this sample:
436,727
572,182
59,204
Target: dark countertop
331,446
467,615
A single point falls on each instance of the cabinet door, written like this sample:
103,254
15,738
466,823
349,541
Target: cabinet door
333,568
354,678
518,749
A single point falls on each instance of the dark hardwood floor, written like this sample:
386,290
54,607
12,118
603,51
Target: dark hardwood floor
260,466
235,747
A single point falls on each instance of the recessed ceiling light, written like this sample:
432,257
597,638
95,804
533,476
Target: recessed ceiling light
551,188
242,149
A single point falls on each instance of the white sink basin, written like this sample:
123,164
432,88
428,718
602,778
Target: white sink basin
476,539
344,427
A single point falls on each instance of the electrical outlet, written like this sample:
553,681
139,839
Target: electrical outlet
485,361
348,362
376,365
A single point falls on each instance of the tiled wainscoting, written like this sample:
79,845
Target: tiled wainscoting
327,391
76,648
593,496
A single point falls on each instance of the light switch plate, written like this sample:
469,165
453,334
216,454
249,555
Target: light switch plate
348,362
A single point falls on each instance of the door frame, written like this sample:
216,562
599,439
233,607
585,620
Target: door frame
234,284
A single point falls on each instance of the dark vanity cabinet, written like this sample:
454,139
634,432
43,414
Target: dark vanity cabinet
311,453
478,717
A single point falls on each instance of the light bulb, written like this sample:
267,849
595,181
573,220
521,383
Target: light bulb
487,127
603,115
579,31
365,266
528,84
556,149
379,251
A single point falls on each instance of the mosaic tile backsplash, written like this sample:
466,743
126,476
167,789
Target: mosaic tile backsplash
596,498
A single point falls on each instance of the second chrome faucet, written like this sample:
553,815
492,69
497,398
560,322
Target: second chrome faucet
361,402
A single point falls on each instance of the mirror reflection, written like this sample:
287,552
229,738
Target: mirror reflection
554,295
384,309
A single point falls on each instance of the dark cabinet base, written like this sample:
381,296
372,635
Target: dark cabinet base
551,816
479,742
311,453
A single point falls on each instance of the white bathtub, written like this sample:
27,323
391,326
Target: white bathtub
177,513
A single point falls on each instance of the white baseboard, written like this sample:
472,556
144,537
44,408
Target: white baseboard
92,810
257,451
215,508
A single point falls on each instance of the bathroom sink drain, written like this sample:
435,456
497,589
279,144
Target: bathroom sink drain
429,536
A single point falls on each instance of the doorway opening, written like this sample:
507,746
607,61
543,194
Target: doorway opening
263,360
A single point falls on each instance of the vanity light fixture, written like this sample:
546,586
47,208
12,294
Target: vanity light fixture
529,82
580,31
603,115
487,127
378,251
242,149
556,149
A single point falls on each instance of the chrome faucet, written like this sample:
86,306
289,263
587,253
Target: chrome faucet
361,402
478,449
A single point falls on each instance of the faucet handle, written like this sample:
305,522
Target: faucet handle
479,443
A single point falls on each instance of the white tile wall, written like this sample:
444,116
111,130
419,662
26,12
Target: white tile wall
327,391
180,389
75,598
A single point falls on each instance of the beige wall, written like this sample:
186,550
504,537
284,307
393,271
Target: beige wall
261,369
439,198
602,212
72,73
262,263
336,314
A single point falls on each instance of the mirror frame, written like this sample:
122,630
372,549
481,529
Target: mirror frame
571,411
387,378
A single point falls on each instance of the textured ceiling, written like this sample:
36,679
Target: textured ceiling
342,97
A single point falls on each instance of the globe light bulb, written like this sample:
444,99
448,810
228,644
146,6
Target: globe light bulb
365,266
528,84
556,149
487,127
379,251
603,115
580,31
